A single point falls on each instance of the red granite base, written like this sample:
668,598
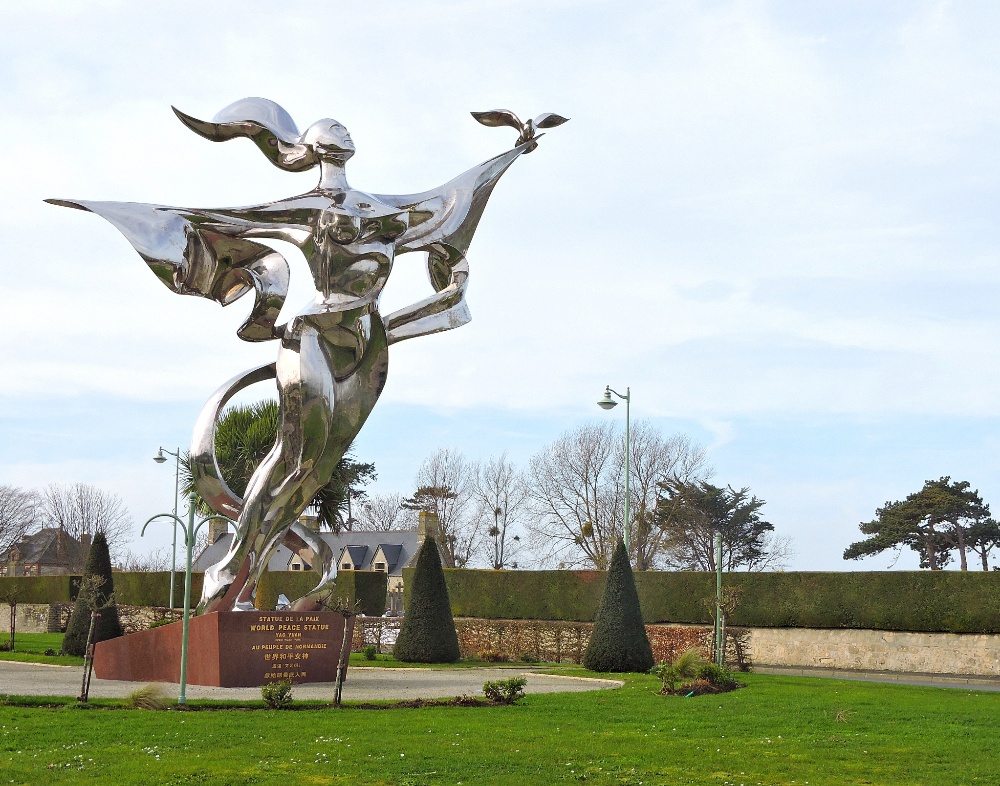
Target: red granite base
231,650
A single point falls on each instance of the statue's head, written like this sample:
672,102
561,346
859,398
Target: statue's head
273,131
329,139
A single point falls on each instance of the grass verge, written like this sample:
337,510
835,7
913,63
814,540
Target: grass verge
778,730
31,648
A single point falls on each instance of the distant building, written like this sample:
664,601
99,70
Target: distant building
384,552
48,552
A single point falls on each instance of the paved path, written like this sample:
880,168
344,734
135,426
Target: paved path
363,683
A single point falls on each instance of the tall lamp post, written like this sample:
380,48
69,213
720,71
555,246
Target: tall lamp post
609,403
190,533
159,458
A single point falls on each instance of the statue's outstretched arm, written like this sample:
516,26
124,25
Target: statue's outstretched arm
443,221
206,253
446,308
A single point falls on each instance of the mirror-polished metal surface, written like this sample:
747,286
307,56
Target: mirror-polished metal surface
332,358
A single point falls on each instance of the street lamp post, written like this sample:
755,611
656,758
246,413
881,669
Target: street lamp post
190,533
159,458
609,403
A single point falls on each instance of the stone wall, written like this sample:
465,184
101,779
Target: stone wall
878,650
29,618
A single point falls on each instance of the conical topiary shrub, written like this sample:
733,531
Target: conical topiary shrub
618,641
428,631
108,626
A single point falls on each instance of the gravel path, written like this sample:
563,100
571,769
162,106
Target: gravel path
362,684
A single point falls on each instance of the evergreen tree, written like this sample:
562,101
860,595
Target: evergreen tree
428,631
90,598
618,641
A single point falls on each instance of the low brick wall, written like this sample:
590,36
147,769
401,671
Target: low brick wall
867,650
878,650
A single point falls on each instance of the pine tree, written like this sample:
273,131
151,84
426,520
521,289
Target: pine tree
428,631
618,641
108,626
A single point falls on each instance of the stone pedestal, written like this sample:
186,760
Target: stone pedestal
232,650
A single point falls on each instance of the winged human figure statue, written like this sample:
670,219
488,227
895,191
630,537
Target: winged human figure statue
332,356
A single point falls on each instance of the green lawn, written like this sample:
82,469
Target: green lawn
779,730
31,647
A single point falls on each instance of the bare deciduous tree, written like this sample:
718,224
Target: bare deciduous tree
501,497
574,507
381,513
150,562
444,487
18,514
577,487
81,509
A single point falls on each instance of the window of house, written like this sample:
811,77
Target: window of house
346,566
296,566
380,566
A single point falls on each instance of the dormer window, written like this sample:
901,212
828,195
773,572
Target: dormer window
346,566
380,566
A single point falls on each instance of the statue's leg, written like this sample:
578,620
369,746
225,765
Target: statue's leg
288,478
358,381
327,388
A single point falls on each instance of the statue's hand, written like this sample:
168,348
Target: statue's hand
529,130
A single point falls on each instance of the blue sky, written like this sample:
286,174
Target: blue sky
777,222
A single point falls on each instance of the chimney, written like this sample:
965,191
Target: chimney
85,540
216,529
427,526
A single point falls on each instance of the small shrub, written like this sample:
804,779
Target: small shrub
370,651
505,691
529,657
718,676
277,695
492,656
684,667
50,652
5,646
148,697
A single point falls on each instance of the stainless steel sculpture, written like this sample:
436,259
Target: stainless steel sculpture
333,359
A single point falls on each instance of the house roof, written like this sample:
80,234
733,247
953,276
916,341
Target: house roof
391,552
405,541
48,546
357,554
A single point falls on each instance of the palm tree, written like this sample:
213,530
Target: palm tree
243,437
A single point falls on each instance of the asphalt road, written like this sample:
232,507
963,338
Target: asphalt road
362,684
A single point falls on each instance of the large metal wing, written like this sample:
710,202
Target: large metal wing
442,223
451,213
195,252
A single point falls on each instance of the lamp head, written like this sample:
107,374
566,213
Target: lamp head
159,458
607,402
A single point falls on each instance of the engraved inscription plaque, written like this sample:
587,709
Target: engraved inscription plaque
232,649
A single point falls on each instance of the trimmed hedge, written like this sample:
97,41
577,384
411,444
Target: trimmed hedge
41,589
153,589
927,601
366,589
292,584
